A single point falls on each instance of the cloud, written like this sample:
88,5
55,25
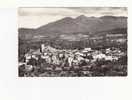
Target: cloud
43,11
70,11
101,10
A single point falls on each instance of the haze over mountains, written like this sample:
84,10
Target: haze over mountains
80,24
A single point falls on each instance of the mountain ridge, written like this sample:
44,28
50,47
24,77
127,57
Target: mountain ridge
82,24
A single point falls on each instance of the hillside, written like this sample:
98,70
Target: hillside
79,25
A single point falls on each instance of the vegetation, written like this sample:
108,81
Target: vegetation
99,68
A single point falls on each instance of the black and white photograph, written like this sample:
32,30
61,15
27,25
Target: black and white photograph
72,41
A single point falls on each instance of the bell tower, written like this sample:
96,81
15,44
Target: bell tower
42,47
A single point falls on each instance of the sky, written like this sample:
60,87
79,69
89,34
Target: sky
36,17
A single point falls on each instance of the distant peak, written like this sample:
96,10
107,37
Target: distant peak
67,18
81,17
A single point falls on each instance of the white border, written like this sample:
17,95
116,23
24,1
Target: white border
90,88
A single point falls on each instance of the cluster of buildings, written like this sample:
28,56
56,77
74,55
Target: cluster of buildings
49,59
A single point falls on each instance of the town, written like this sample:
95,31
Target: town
51,62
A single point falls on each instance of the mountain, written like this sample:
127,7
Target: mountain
84,24
80,24
65,25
